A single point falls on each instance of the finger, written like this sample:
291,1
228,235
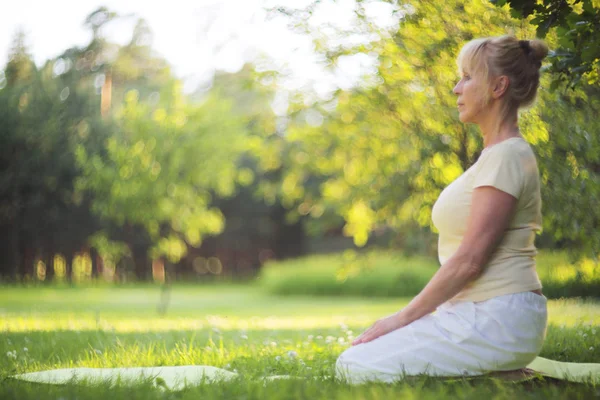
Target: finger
360,337
365,331
372,336
368,336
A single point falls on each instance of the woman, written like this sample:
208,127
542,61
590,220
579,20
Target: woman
490,311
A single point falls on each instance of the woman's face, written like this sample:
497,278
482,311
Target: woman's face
471,99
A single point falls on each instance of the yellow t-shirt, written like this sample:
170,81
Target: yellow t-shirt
509,166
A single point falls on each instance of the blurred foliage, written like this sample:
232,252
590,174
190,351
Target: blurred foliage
142,176
386,149
391,274
100,147
570,167
20,67
160,166
370,274
577,26
43,118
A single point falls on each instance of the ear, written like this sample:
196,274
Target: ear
500,86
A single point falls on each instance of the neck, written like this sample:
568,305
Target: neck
496,130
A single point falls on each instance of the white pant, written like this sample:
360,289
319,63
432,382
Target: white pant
466,338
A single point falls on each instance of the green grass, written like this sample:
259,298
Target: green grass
239,328
389,274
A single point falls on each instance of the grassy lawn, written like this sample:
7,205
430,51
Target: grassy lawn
243,329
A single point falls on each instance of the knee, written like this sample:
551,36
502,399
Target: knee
349,368
357,365
343,367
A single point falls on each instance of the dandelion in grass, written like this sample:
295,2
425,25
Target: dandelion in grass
292,354
592,348
12,354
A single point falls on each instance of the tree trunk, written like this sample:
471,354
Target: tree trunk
28,259
289,240
171,271
16,271
141,263
138,245
47,259
69,266
5,252
95,266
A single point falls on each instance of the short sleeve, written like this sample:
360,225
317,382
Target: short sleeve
502,169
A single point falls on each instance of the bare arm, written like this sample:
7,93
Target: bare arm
490,214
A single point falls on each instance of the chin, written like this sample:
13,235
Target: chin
466,118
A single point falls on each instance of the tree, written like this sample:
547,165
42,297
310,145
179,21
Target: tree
44,121
268,221
20,67
577,25
387,148
570,168
137,67
159,169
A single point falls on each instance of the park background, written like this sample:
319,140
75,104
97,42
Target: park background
283,179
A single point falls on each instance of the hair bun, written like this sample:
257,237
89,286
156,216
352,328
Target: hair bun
538,50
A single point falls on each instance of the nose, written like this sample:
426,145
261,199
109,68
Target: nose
458,88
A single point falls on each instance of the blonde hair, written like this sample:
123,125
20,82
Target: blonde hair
519,60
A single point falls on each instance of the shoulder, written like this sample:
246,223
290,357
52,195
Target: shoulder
515,150
508,166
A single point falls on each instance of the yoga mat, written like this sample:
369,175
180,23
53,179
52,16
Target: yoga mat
176,378
566,371
173,378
